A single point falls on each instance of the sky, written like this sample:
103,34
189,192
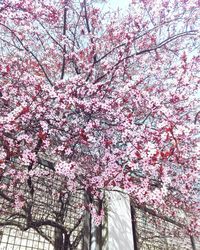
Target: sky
115,4
119,3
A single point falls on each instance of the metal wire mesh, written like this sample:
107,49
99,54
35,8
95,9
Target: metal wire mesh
157,234
51,203
14,239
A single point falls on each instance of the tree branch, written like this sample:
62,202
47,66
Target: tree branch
64,34
160,216
30,52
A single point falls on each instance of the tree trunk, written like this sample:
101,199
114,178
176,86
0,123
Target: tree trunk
87,224
134,228
66,243
193,243
58,243
61,241
86,231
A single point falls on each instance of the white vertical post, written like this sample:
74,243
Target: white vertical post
119,222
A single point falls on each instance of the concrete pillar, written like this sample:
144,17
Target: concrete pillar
119,224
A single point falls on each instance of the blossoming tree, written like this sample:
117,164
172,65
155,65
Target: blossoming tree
102,99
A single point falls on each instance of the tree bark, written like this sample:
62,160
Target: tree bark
58,243
62,241
134,228
193,243
87,225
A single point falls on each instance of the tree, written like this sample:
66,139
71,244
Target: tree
102,100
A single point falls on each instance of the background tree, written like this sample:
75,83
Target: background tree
104,100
